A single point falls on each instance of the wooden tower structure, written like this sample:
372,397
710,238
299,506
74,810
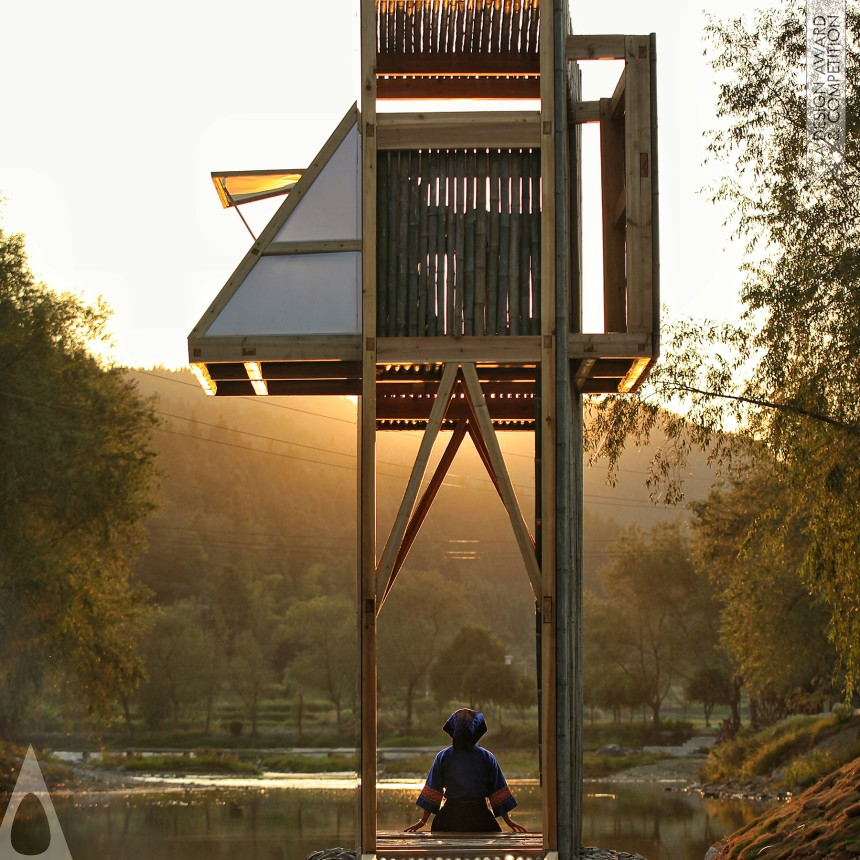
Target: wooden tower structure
429,262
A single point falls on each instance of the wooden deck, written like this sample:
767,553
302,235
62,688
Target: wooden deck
477,846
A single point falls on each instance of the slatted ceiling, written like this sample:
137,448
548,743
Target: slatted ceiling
311,370
458,49
408,27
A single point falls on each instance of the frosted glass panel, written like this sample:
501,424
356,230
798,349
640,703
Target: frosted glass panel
304,294
330,208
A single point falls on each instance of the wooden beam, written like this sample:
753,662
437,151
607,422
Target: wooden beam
457,63
587,47
586,112
459,130
458,88
613,345
275,348
583,372
440,404
484,425
498,349
421,511
418,409
330,246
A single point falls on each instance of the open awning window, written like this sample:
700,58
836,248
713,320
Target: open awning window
244,186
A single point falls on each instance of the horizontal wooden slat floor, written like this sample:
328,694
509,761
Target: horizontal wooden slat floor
477,846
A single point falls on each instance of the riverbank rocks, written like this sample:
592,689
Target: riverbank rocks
585,854
601,854
332,854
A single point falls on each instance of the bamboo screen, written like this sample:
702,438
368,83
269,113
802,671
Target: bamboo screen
470,26
458,248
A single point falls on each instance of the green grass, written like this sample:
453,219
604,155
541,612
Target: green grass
207,761
788,744
293,763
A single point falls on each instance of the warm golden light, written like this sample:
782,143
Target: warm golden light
632,376
205,380
255,374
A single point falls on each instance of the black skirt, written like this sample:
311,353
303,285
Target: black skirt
465,816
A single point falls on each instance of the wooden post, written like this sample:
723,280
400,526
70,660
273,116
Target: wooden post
366,825
549,337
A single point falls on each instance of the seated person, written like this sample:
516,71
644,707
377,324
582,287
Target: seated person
466,776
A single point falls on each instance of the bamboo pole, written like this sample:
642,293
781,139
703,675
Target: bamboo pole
481,243
493,250
514,248
459,241
451,241
432,231
525,297
382,243
504,243
402,243
469,247
412,249
441,244
535,241
423,243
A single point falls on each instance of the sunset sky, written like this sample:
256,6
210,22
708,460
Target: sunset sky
115,114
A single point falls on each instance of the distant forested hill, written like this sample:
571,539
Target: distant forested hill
264,488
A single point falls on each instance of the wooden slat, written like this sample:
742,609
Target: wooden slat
604,47
440,404
484,424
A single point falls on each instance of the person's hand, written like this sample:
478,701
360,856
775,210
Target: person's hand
413,828
515,826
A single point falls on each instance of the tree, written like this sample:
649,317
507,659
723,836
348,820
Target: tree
787,374
322,634
421,611
176,650
77,480
472,670
652,611
772,628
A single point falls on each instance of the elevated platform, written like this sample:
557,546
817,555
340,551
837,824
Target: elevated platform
477,846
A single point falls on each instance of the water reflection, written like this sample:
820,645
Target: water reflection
658,821
288,823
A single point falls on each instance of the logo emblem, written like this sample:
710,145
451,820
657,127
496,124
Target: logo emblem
31,781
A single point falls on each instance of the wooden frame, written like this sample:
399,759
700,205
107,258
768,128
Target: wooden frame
197,339
628,181
459,130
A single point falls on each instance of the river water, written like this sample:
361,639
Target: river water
287,819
